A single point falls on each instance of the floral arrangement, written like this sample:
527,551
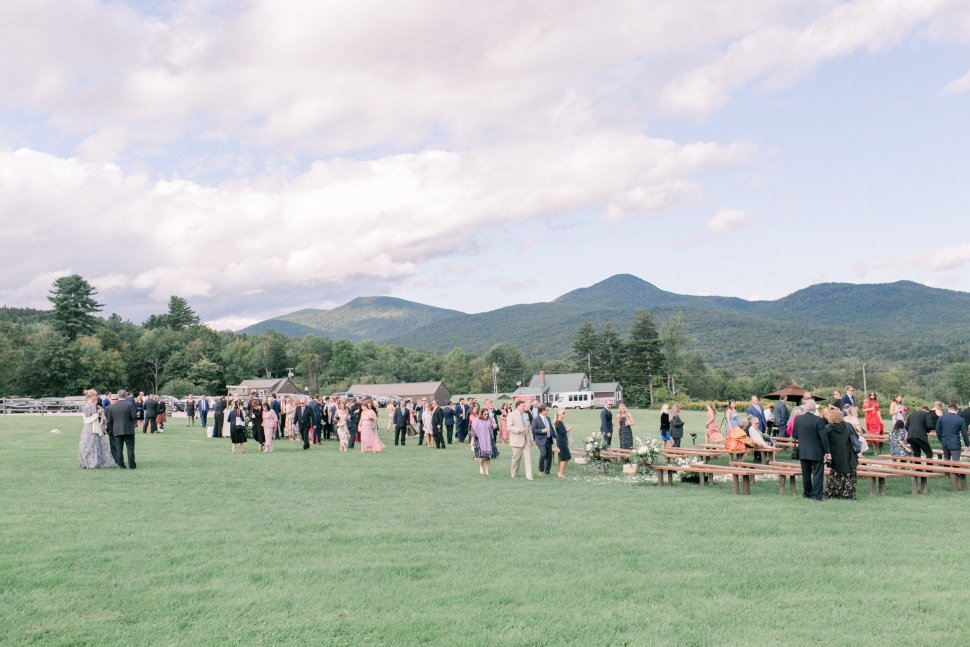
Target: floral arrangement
592,449
645,455
687,477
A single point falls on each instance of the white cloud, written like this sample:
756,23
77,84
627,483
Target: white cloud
948,258
727,220
958,86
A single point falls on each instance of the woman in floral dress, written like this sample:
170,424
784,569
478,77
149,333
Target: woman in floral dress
841,483
92,451
482,444
873,416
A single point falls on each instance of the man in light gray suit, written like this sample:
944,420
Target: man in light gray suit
121,417
542,430
520,440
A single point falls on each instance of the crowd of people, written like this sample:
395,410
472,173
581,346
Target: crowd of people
832,435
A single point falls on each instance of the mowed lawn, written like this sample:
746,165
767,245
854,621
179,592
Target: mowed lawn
413,547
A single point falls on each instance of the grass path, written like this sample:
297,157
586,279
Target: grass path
413,547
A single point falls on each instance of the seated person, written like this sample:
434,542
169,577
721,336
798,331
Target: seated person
738,440
755,433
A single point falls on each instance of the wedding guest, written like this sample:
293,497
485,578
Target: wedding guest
737,439
781,415
237,427
897,440
870,407
562,442
712,433
369,440
190,411
676,425
625,422
795,412
402,420
449,412
841,483
122,418
606,422
754,433
342,416
218,416
731,414
277,408
203,408
503,424
151,415
140,407
256,420
162,415
92,451
950,428
289,418
665,425
389,410
918,427
810,430
542,433
270,425
520,440
426,425
437,425
897,410
484,450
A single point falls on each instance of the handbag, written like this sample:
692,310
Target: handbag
856,441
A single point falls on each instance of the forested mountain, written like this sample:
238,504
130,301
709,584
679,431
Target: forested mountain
804,331
374,318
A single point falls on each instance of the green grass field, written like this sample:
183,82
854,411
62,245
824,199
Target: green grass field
413,547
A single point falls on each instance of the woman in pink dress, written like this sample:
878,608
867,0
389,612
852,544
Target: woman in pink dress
270,422
873,415
503,430
369,440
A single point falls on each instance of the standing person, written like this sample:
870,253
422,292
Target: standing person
428,432
562,441
897,410
949,429
625,422
270,424
419,408
92,450
842,481
140,408
402,418
203,408
731,415
813,449
795,412
303,420
897,439
870,407
918,430
606,423
218,416
449,413
289,419
277,408
676,425
848,400
162,416
542,432
190,411
712,433
754,409
520,440
353,423
369,440
781,415
342,416
665,425
437,425
256,420
121,418
485,450
503,424
390,414
237,427
151,414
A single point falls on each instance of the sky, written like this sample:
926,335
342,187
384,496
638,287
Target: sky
261,157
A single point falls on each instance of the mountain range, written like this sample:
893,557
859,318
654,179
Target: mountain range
812,326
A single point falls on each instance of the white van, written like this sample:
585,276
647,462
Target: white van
574,400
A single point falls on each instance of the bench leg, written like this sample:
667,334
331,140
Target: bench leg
914,488
670,479
923,481
734,484
882,485
963,482
781,486
872,486
660,478
746,483
954,483
791,485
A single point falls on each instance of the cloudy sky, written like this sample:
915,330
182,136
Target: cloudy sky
259,157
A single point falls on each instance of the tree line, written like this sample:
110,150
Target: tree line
70,348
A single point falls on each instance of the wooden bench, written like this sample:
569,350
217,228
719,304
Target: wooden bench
741,478
784,471
917,475
876,441
957,470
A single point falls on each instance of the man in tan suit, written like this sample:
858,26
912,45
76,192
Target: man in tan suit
520,439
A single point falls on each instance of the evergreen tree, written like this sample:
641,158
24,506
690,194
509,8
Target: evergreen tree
673,339
74,307
643,359
585,351
610,352
180,316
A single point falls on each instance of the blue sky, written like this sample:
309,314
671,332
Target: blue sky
258,158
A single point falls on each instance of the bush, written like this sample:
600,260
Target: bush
179,388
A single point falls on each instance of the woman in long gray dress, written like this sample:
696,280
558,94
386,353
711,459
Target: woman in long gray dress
92,451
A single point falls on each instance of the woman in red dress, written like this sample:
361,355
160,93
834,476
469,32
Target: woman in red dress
873,416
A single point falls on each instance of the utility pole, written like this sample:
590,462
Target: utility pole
495,379
589,366
865,387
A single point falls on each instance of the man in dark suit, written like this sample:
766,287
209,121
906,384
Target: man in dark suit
202,407
780,412
542,433
218,416
274,404
304,420
437,425
810,430
848,399
401,415
754,409
949,429
419,416
353,412
918,428
121,417
461,420
449,413
606,423
151,414
316,411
